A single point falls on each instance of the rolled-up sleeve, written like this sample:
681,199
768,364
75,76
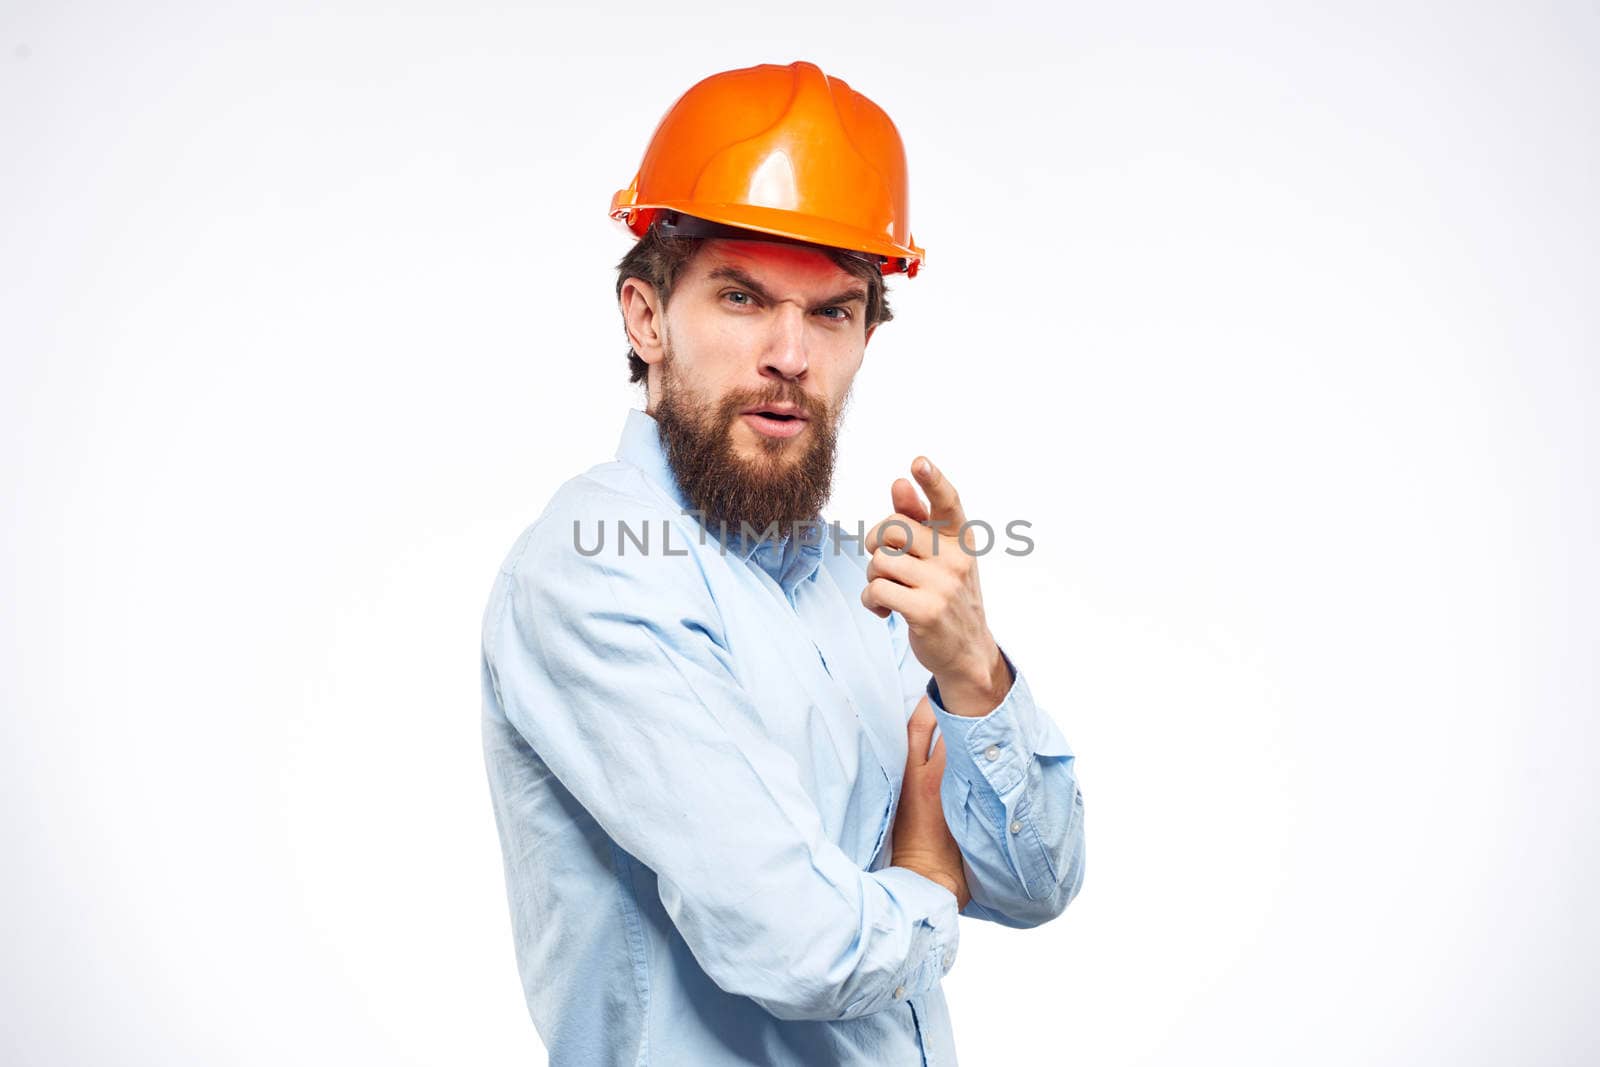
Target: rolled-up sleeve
1011,798
616,671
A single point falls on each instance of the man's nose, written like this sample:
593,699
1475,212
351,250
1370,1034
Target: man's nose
785,354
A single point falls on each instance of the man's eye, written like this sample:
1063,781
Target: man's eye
737,296
842,316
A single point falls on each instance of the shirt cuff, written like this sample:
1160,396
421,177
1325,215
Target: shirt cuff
938,928
998,747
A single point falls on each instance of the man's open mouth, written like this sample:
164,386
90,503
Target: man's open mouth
778,413
776,420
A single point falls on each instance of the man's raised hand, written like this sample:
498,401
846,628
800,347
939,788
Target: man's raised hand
924,567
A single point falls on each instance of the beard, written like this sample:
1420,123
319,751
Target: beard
786,482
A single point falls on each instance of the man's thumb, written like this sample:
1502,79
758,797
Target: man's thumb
919,732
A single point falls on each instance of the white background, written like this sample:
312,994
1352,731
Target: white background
1277,322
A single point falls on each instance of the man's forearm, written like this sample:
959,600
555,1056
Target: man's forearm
978,689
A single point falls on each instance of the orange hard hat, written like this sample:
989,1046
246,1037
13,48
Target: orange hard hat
783,151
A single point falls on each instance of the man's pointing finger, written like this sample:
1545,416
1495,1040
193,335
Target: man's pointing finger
943,502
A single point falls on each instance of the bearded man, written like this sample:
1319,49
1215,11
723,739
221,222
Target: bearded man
730,836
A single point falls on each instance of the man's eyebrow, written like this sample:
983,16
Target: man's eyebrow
854,294
733,274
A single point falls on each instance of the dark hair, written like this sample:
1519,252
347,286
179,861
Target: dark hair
659,260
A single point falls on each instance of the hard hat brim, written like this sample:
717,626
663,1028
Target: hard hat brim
793,225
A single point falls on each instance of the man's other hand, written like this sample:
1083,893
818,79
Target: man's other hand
922,841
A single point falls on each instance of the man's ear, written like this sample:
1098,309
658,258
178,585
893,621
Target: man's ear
641,317
870,331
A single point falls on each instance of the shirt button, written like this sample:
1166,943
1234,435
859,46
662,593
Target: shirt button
1016,826
991,753
899,991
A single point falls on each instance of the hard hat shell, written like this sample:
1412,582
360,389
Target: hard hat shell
780,150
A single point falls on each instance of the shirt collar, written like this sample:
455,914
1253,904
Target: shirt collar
788,560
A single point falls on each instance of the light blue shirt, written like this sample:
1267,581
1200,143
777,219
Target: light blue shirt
695,750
